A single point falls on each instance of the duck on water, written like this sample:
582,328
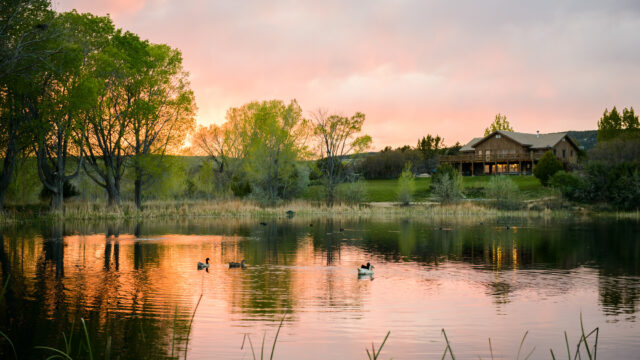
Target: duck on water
236,265
366,269
203,265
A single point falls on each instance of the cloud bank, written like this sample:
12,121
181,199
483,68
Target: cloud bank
413,67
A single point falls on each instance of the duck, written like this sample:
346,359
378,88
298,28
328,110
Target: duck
366,269
236,265
204,265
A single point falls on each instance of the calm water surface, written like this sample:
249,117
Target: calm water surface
137,287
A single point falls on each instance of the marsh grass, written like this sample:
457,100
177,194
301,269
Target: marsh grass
273,347
81,211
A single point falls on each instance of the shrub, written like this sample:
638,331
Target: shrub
352,193
406,185
571,186
446,184
546,167
624,187
504,192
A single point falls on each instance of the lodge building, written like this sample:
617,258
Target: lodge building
508,152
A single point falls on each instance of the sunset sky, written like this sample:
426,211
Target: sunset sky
412,66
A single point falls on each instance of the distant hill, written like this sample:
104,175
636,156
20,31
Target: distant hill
586,139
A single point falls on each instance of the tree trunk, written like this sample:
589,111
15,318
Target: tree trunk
113,194
331,190
57,200
7,168
138,189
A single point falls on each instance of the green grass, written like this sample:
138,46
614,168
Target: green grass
386,190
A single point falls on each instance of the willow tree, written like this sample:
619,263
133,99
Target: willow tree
162,106
68,93
337,137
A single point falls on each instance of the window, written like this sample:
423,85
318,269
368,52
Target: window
497,136
564,153
554,151
571,152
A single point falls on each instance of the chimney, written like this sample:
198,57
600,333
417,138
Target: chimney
538,134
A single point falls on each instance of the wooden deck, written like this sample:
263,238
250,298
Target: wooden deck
488,158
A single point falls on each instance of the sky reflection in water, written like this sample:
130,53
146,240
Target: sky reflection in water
139,285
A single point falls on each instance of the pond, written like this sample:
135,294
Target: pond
136,289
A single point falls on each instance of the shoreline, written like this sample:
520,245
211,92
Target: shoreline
203,209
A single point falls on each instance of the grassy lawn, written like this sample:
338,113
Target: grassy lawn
385,190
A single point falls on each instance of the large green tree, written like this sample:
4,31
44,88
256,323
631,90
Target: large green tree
24,29
612,124
107,124
274,134
161,105
337,137
68,91
500,122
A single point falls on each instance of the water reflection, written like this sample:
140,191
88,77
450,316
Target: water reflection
137,285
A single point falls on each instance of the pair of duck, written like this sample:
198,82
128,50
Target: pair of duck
205,265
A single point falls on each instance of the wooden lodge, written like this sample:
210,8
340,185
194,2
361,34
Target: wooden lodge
507,152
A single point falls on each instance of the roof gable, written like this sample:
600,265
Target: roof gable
532,141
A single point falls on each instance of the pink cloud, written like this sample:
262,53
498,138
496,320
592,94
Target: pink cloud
412,67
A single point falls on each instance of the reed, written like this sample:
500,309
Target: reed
243,208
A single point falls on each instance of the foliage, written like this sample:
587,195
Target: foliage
546,167
352,193
613,125
500,122
69,189
571,186
406,185
446,184
389,163
336,137
162,109
430,146
273,135
504,192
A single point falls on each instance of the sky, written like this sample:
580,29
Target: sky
414,67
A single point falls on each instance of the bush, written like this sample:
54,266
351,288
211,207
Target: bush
571,186
624,187
353,193
504,192
546,167
446,184
406,185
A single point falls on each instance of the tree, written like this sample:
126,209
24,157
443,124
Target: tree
108,122
406,185
430,146
499,123
274,136
546,167
223,144
68,92
613,125
446,184
161,107
24,27
609,125
337,137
